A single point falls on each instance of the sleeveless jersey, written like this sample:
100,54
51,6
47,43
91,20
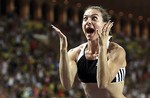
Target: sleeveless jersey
87,69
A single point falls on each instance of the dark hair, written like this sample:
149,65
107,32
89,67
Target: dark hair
105,15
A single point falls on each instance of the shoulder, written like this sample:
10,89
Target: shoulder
116,48
74,52
117,53
77,49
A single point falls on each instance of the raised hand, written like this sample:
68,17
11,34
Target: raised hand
62,37
103,34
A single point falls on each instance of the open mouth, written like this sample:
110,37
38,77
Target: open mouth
89,30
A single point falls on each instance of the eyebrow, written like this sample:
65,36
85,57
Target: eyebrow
92,15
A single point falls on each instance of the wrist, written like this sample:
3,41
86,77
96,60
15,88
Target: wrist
63,50
102,49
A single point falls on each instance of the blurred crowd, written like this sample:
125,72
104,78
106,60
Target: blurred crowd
29,67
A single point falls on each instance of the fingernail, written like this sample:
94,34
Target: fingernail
52,26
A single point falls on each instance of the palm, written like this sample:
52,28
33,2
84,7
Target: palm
104,34
62,37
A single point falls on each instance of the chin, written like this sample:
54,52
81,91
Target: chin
89,39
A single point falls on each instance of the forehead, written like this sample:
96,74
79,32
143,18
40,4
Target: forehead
92,12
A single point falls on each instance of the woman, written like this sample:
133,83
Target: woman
98,63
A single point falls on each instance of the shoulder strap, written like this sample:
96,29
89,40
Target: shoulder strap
81,52
108,41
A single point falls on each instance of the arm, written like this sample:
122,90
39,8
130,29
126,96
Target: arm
107,69
67,69
67,64
102,68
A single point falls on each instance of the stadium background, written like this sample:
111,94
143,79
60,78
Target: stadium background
29,49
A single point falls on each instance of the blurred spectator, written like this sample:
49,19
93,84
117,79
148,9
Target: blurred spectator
29,69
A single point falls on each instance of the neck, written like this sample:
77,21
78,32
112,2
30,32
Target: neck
92,47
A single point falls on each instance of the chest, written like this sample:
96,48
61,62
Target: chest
87,70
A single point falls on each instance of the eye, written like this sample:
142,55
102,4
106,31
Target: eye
84,18
94,18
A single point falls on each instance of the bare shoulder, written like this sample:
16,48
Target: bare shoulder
74,52
114,47
76,49
117,53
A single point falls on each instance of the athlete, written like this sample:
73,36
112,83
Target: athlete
98,63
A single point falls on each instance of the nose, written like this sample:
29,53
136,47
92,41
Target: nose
89,21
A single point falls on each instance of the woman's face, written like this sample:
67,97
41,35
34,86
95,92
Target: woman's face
92,21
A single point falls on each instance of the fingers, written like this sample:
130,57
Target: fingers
57,31
99,34
62,37
106,28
